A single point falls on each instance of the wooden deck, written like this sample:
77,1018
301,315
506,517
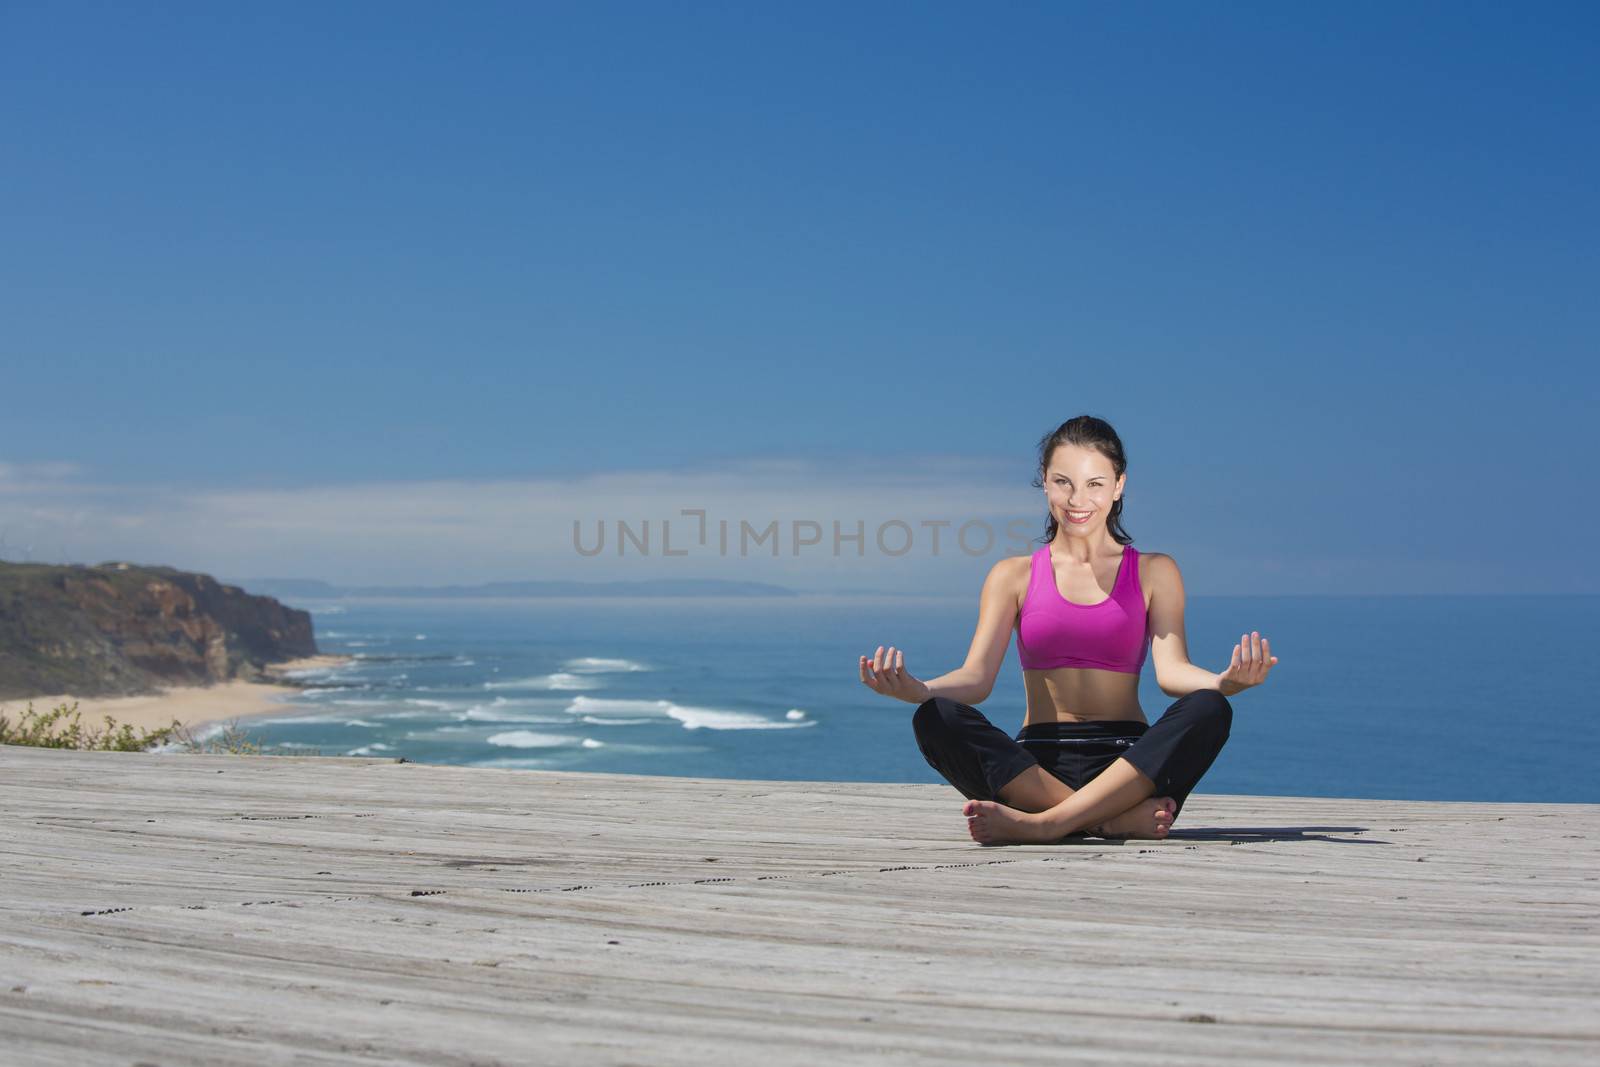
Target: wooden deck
262,910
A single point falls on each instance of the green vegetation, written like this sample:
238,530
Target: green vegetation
231,740
61,727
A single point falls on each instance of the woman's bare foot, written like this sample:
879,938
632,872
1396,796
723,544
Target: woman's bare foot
991,823
1150,818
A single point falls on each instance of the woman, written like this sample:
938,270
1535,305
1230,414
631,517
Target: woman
1084,605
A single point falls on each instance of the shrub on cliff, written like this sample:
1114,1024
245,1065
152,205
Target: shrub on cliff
62,727
231,740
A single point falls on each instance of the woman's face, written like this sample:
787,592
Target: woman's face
1079,484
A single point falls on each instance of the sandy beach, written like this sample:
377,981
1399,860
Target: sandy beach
192,705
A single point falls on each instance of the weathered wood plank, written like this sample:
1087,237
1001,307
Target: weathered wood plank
291,910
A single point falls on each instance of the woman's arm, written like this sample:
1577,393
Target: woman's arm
973,681
1170,651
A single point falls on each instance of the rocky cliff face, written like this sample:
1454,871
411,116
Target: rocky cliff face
122,629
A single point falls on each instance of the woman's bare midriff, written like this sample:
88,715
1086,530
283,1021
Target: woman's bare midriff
1076,694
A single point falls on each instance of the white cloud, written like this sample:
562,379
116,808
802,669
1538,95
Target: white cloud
470,530
476,530
36,475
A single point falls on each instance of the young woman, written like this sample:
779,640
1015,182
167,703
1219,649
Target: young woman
1085,606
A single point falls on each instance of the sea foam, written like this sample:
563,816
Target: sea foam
556,680
490,714
691,717
600,665
529,739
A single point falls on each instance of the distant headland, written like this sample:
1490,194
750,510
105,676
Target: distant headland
125,629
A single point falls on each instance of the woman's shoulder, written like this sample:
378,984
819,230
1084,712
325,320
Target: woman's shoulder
1157,569
1013,568
1012,575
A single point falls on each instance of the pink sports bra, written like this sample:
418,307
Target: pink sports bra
1112,635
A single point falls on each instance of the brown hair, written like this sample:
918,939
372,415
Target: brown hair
1086,431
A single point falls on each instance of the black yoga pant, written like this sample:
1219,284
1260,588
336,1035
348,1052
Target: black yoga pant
977,757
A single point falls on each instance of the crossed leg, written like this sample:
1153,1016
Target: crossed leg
971,753
1037,807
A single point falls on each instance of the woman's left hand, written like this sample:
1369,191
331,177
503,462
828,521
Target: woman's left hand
1252,659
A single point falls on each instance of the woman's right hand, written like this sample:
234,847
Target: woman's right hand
886,673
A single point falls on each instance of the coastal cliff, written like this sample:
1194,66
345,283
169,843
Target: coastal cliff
119,629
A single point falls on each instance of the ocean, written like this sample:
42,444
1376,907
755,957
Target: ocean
1418,698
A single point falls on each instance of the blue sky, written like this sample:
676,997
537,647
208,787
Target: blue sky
390,292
